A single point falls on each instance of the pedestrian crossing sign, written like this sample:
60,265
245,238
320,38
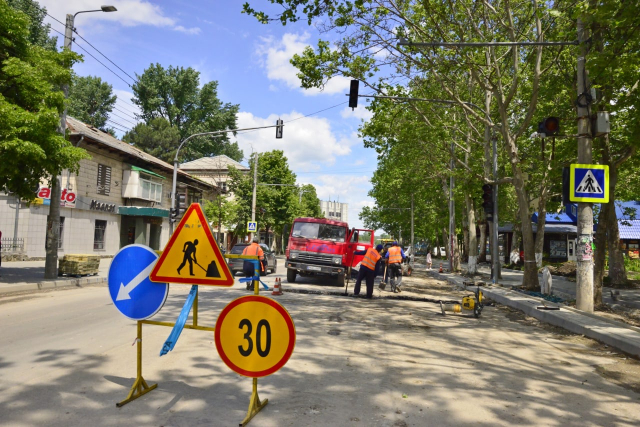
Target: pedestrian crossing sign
589,183
192,256
252,226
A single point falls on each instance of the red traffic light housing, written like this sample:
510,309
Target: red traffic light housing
487,198
550,126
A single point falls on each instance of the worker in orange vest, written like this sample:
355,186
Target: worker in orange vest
248,267
367,269
395,255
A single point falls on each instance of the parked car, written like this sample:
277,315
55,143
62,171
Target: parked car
235,264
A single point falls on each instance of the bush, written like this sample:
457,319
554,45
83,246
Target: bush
632,264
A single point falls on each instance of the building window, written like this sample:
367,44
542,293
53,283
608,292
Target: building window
99,234
61,235
150,190
103,185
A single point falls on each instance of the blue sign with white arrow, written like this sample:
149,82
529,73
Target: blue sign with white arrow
131,291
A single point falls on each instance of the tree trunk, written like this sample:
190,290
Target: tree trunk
617,271
482,256
53,231
530,276
472,263
515,242
600,241
539,243
445,239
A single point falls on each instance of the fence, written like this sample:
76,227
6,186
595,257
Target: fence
9,245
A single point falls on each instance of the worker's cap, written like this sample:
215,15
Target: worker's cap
256,240
379,247
395,243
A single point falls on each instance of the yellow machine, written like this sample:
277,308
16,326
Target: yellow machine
470,303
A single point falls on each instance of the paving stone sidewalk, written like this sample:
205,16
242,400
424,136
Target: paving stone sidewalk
18,276
616,334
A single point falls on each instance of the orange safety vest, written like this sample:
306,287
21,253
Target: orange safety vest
255,249
395,255
370,259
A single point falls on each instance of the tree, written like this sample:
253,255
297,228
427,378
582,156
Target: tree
310,203
38,31
90,100
157,137
175,95
31,148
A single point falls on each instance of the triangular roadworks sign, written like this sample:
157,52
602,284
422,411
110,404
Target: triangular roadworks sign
589,184
192,256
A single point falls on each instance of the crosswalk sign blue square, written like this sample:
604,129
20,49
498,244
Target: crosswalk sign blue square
252,226
589,183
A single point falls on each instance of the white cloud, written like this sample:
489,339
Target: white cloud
275,56
130,13
309,144
360,113
192,30
346,189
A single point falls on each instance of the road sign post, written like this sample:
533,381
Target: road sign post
255,337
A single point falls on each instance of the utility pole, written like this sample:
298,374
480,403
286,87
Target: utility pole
495,249
452,212
412,226
584,270
255,186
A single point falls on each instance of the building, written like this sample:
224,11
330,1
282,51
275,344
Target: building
120,195
215,171
628,214
335,210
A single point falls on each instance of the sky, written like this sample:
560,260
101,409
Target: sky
250,62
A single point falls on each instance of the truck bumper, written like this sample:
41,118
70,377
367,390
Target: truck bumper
314,268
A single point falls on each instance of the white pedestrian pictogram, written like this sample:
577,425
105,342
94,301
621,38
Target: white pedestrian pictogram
589,184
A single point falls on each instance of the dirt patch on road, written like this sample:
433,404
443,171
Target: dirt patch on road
622,373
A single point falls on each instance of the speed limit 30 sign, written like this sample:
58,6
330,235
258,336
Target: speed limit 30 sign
255,336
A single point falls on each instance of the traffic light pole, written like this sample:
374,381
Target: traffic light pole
172,219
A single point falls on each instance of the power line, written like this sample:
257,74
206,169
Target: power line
88,53
120,117
126,129
126,113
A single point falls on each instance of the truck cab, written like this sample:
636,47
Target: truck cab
320,246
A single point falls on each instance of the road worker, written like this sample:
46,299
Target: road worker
248,267
367,269
394,256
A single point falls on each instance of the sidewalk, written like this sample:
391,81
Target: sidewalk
616,334
18,276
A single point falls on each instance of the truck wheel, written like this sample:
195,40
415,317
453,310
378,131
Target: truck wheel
340,280
291,275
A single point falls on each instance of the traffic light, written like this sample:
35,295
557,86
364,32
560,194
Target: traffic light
173,213
279,126
487,198
353,94
550,126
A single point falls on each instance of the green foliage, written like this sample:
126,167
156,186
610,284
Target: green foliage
157,137
30,105
310,206
174,94
221,211
90,100
38,31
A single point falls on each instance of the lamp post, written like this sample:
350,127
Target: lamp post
53,220
175,163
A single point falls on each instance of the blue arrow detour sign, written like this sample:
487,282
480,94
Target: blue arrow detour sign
131,291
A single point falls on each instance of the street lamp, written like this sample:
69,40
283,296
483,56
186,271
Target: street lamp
53,221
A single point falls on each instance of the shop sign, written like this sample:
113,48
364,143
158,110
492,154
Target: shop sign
67,198
102,206
152,220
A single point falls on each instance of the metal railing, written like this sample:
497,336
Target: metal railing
11,245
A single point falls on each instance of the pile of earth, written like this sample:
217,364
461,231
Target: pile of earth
567,269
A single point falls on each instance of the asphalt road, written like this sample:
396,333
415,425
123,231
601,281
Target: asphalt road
66,358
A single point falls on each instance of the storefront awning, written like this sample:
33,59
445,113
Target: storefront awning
139,211
136,168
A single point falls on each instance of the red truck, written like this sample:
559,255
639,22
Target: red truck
319,246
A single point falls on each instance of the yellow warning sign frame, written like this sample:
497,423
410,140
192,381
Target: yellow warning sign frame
225,277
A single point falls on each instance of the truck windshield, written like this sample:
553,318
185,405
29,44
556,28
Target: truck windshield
314,230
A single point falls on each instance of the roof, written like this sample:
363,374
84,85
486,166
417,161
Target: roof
629,229
221,162
628,210
79,128
554,218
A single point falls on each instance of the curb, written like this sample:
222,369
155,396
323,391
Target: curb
615,334
52,284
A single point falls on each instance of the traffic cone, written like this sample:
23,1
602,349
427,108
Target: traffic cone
277,289
440,271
